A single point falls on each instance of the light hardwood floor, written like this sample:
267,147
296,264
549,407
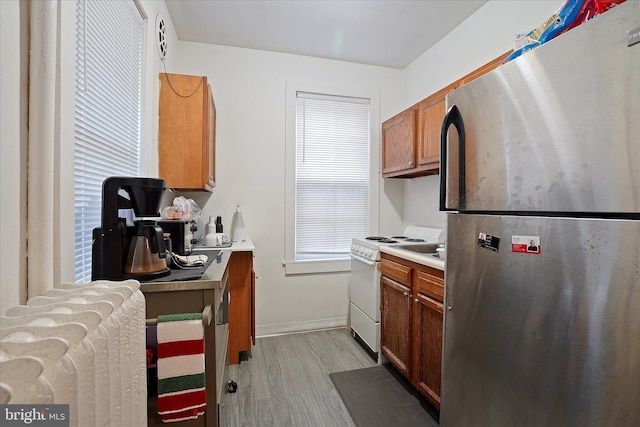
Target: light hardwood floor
286,381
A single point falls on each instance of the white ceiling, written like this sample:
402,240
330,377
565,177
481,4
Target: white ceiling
375,32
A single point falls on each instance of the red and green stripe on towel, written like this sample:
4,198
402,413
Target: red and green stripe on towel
181,376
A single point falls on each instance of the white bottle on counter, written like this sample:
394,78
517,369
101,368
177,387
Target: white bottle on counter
210,232
211,226
237,226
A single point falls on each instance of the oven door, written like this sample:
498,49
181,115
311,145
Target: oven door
365,301
365,286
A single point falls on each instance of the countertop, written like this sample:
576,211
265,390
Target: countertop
212,276
425,259
211,279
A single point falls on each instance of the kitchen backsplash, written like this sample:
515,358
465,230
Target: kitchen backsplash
421,202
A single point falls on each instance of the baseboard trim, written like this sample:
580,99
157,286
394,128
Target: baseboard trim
293,327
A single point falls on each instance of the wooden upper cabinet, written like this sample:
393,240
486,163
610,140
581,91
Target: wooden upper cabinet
210,157
411,139
478,72
431,113
186,132
398,143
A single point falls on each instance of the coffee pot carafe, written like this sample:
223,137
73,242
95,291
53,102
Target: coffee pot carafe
146,256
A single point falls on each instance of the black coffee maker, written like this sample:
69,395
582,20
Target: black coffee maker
123,248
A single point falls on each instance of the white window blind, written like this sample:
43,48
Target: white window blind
332,174
108,84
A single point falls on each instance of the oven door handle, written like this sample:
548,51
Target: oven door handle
361,259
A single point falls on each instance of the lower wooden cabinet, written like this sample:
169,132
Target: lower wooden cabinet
395,322
427,351
411,322
242,323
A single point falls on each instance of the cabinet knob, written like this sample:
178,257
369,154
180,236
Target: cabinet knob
416,300
406,294
410,164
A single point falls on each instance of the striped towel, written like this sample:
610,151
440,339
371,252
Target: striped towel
181,381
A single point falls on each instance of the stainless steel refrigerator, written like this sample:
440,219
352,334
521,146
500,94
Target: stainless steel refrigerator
541,172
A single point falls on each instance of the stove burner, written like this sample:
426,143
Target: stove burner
414,240
386,240
375,238
398,237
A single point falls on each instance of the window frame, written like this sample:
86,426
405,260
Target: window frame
291,265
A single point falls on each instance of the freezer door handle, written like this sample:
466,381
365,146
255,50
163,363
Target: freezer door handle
452,118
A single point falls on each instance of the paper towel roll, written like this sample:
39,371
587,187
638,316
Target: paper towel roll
238,232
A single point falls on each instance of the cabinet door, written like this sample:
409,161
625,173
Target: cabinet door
186,147
427,355
430,116
395,324
399,143
253,307
241,305
209,148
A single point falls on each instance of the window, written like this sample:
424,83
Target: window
332,174
108,104
330,179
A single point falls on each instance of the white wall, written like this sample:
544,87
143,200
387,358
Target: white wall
249,92
13,149
485,35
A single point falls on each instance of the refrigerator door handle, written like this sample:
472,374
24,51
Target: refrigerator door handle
453,117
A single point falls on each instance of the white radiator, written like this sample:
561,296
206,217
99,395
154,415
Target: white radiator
82,345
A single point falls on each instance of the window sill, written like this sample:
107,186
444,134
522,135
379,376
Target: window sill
317,266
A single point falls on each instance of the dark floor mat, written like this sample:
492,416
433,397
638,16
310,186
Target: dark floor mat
380,397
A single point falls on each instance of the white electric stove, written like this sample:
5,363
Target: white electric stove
364,310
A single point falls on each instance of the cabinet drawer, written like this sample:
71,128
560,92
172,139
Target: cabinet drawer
396,271
429,285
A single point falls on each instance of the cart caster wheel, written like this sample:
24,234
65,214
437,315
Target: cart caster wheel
232,386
